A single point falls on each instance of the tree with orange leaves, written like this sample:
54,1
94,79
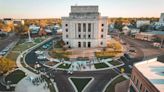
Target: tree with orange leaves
6,65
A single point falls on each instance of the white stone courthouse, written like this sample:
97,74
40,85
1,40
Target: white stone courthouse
84,28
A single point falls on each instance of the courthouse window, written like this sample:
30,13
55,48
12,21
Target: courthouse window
66,36
84,27
66,30
79,27
89,27
89,36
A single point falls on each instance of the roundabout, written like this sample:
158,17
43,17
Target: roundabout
58,71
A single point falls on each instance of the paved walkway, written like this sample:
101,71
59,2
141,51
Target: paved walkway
25,85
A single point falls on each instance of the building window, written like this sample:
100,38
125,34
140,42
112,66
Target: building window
89,27
140,87
66,36
79,36
102,36
102,30
101,43
79,27
89,36
102,25
66,25
89,44
137,83
66,30
84,27
84,36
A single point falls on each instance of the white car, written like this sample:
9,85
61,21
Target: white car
39,52
6,49
2,53
41,57
70,72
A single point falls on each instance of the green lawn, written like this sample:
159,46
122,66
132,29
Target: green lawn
111,87
80,83
38,40
66,66
100,65
13,55
114,62
23,46
15,76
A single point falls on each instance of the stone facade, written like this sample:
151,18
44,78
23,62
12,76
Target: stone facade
84,27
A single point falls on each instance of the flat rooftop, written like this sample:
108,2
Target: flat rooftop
153,71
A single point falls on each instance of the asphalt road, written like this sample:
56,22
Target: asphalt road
144,48
5,42
139,53
101,78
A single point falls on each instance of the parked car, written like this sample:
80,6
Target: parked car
6,49
2,53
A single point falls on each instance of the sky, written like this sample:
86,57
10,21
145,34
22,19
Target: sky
58,8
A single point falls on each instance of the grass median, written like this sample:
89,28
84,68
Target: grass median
80,83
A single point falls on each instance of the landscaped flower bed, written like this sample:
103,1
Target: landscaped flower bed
107,54
114,62
49,63
64,66
59,54
100,65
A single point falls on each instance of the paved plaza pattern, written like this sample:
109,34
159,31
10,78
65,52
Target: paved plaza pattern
28,84
70,46
83,52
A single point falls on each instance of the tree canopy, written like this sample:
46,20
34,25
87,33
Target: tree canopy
6,65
